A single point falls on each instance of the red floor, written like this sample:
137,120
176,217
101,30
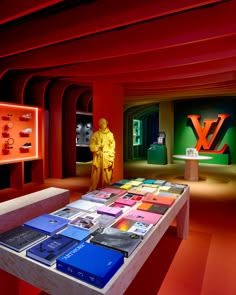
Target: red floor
205,263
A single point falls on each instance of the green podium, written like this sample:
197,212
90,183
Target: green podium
156,154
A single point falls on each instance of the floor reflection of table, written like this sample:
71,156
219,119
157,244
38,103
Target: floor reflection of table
191,165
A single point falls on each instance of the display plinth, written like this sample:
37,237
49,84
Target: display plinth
156,154
191,166
53,281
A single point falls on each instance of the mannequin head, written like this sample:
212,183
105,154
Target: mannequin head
102,123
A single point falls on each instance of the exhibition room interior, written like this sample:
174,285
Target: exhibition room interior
150,68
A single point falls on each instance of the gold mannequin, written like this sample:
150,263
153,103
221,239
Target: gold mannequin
102,145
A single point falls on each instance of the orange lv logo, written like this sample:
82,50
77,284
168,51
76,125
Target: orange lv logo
203,145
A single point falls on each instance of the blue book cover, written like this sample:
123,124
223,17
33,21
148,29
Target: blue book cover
48,250
47,223
91,263
75,233
149,181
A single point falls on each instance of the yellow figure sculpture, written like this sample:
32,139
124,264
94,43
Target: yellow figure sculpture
102,145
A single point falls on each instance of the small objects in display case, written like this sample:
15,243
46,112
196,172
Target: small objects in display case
26,117
26,132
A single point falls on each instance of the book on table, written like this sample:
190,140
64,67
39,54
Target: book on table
85,205
106,220
48,250
113,190
137,227
118,205
113,211
154,208
159,199
125,201
125,242
21,238
68,213
143,216
90,263
88,222
100,196
75,233
133,196
47,223
137,191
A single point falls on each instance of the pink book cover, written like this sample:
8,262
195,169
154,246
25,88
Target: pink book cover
113,211
117,191
126,202
143,216
160,200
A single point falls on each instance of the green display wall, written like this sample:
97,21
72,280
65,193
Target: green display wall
184,131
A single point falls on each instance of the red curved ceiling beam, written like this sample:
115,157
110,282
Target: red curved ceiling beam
11,10
83,20
137,92
182,55
175,83
163,33
177,72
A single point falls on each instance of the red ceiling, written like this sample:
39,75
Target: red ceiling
166,49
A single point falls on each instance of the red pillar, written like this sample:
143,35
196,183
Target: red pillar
108,101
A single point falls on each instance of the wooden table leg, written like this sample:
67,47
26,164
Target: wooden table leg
182,221
191,170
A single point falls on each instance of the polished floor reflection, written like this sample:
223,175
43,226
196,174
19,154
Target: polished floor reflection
205,263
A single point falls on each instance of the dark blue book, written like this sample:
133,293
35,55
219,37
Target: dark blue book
50,249
47,223
90,263
21,237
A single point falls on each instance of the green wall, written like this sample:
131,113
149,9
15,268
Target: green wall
209,108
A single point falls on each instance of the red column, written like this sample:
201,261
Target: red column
108,101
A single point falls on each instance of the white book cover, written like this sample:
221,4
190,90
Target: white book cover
84,205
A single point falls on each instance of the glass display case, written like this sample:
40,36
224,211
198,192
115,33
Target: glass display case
84,128
137,132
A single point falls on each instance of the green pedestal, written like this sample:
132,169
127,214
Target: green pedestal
156,154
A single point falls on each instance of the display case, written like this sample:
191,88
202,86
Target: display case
137,132
84,131
19,133
20,145
84,128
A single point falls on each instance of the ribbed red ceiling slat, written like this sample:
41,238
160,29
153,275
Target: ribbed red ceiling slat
174,56
180,72
85,20
167,32
175,83
13,9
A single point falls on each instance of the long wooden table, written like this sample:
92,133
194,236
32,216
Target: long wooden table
53,281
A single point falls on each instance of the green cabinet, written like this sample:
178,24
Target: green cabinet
156,154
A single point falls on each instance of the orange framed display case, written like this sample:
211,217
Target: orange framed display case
21,142
19,133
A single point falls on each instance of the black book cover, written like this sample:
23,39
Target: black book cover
124,242
21,237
